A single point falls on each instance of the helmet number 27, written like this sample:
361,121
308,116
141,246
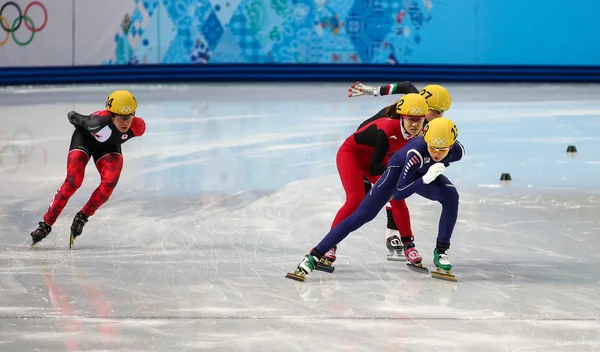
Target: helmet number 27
426,93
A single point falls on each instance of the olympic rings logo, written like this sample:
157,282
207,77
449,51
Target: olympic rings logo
22,19
126,109
438,142
416,111
19,150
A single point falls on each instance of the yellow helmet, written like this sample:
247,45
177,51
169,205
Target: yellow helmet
437,97
440,133
412,104
121,102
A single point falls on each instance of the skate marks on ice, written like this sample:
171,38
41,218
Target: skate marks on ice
538,265
191,268
218,281
294,334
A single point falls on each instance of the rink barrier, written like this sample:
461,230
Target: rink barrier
292,72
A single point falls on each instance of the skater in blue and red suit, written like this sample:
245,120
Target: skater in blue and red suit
416,168
366,152
439,101
97,136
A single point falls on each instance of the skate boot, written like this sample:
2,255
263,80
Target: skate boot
40,233
443,265
395,246
305,267
326,262
414,259
77,227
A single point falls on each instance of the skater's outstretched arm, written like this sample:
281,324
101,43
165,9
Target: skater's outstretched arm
99,125
92,122
358,89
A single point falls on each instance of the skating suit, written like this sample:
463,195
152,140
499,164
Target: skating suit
365,154
402,178
95,136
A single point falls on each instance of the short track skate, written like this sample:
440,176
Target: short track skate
71,241
443,274
396,257
325,265
418,268
395,246
298,275
40,233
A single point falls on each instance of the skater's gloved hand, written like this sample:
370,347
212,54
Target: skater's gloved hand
358,89
434,171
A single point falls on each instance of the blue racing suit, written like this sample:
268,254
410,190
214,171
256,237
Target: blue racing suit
402,178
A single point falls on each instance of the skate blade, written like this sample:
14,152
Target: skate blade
71,242
33,244
324,267
295,276
395,258
443,275
419,268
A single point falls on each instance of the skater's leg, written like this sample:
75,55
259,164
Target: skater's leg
392,235
354,187
401,219
367,210
391,223
352,180
443,191
77,159
398,216
109,166
399,240
76,162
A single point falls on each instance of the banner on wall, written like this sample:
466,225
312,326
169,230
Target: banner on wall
198,32
248,31
395,32
36,33
98,28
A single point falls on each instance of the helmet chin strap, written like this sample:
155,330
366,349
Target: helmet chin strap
405,133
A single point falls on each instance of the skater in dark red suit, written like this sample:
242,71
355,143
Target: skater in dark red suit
99,136
366,153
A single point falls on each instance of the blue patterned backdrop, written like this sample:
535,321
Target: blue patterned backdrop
311,40
270,31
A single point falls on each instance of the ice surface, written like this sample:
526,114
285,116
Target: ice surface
223,196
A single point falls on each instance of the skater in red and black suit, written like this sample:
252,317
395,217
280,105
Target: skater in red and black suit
366,153
99,136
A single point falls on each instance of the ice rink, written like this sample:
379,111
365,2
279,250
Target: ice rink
232,184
